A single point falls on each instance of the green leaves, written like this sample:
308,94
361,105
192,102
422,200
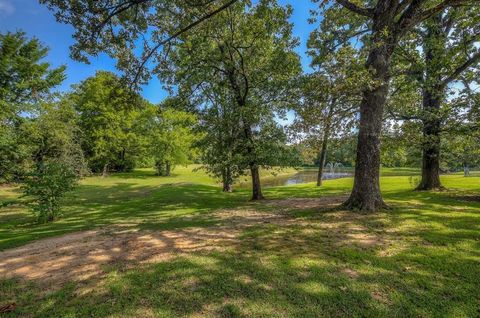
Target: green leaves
46,186
170,136
25,81
134,32
108,115
237,68
24,77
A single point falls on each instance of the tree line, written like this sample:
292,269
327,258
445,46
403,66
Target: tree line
401,72
49,140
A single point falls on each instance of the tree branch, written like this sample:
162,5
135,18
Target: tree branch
366,12
414,15
472,60
177,34
401,117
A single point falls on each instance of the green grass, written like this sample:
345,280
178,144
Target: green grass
385,171
127,198
425,261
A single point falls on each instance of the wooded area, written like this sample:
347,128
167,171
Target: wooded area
389,108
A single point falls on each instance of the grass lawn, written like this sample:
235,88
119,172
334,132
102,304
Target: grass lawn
179,247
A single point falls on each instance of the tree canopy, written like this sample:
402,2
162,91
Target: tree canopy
382,70
25,81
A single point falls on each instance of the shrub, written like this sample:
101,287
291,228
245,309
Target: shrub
46,186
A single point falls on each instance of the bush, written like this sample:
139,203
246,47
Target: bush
46,186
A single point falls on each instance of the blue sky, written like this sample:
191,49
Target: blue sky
36,20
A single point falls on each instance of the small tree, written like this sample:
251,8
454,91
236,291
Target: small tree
56,158
46,186
329,98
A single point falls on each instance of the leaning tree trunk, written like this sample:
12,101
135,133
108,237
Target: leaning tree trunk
431,145
254,169
256,186
323,157
366,195
326,135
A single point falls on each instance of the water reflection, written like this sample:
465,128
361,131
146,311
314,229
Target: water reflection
303,176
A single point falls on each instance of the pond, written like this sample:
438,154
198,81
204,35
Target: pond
302,176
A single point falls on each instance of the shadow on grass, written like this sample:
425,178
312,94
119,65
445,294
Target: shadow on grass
420,259
139,174
161,207
300,270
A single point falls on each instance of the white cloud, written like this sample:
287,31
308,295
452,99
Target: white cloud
6,7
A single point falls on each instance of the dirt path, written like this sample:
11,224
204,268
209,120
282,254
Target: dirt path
84,255
81,256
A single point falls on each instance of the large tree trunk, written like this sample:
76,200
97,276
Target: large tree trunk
431,145
254,170
366,195
256,186
433,94
323,156
227,180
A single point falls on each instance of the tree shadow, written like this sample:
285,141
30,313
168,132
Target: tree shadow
421,258
161,207
278,270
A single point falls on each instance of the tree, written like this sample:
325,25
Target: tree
385,23
54,135
248,52
440,52
24,81
46,186
53,157
24,78
221,136
108,111
170,136
461,152
461,131
329,97
116,28
120,28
